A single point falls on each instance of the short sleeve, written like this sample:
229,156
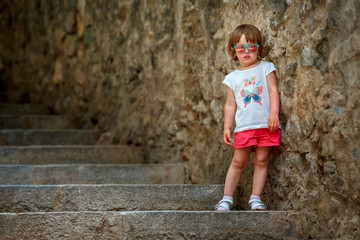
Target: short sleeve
270,67
227,82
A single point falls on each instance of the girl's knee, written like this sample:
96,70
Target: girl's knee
261,161
241,158
239,163
261,158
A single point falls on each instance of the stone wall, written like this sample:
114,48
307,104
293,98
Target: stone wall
149,73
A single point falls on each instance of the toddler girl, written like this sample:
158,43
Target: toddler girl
253,101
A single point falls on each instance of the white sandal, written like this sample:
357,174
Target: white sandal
257,204
223,204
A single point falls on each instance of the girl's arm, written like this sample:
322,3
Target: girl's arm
273,121
230,109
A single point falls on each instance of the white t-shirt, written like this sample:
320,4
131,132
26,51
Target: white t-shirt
252,96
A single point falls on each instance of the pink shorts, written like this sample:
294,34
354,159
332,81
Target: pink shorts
261,137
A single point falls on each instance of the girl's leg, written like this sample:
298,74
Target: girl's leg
261,161
237,167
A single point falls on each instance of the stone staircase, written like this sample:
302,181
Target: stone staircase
56,183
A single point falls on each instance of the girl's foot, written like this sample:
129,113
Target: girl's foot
257,204
224,204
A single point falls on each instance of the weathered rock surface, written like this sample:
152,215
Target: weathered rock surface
150,73
148,225
13,96
92,174
109,197
34,121
24,109
20,137
70,154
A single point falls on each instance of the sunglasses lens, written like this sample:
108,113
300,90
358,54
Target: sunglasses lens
240,49
253,48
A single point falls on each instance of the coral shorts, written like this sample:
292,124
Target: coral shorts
261,137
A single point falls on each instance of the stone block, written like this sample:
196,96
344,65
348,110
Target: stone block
34,122
21,137
68,154
92,174
149,225
13,97
109,197
23,109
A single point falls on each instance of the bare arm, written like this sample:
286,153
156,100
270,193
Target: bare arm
273,121
230,109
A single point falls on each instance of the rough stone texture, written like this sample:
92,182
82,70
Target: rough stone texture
13,97
150,73
37,155
21,137
148,225
92,174
33,121
24,109
62,198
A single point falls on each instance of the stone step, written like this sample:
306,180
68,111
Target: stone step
22,137
13,109
149,225
61,198
92,174
13,97
69,154
34,122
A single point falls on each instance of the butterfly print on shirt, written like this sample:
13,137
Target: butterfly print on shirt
249,82
251,95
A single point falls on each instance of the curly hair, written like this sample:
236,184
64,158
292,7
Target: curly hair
252,34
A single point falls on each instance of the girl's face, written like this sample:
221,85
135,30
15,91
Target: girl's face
248,58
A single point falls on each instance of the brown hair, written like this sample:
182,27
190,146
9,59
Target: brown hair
252,34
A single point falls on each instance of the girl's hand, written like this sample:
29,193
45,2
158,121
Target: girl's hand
227,137
273,122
